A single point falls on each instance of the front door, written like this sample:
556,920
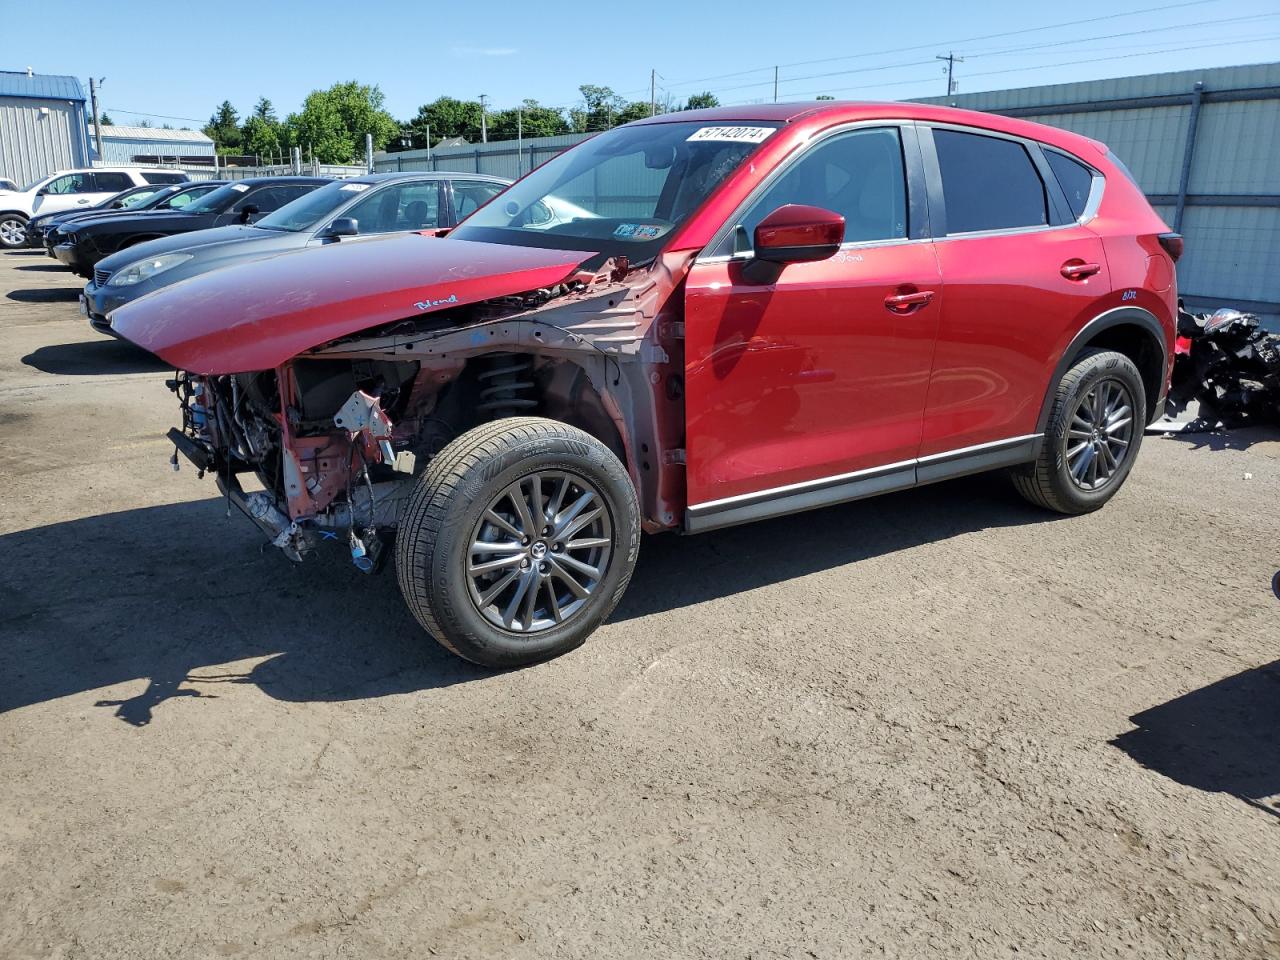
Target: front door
802,386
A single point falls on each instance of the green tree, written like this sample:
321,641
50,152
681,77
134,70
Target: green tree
701,101
534,120
446,117
105,120
333,122
223,127
144,122
600,109
263,135
824,96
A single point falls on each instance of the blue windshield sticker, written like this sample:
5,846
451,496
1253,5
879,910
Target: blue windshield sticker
637,231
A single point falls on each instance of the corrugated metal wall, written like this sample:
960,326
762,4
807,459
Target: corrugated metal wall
500,159
34,144
119,152
1231,186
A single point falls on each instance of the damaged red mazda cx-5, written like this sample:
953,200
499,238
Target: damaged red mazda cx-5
683,323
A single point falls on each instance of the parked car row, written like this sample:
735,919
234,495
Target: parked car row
690,321
70,190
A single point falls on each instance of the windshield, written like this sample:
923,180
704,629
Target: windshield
621,193
138,198
218,200
310,208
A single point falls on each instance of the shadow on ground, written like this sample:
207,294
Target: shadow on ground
46,268
1223,738
91,358
45,295
178,595
1234,438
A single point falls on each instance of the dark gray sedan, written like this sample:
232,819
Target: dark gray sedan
342,211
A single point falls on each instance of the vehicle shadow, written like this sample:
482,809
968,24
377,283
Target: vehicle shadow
1223,738
45,268
94,358
183,595
45,295
1236,438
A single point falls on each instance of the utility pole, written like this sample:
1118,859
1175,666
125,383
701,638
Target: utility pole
775,84
653,92
484,126
428,141
519,139
97,124
951,60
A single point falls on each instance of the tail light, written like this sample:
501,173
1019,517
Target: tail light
1172,243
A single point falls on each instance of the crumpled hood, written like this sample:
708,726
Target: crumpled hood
255,316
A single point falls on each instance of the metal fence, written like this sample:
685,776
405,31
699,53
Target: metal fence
508,158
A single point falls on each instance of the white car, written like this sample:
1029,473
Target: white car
69,190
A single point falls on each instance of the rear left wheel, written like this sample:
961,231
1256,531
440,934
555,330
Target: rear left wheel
518,541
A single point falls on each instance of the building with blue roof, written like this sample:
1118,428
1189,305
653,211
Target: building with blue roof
43,125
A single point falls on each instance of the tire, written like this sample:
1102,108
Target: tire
13,231
476,477
1073,441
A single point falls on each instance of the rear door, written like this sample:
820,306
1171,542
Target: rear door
822,373
1021,273
470,195
107,183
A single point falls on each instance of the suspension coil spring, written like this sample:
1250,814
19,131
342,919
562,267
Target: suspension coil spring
504,385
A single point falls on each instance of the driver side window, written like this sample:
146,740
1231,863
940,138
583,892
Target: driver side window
71,183
858,175
401,206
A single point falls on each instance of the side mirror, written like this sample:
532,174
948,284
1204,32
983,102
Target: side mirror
117,205
797,233
42,192
248,212
343,227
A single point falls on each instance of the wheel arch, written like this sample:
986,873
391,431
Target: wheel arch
16,213
1132,331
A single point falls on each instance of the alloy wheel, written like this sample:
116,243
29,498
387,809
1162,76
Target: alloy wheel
539,551
13,232
1100,434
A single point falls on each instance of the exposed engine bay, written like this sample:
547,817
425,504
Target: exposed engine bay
335,437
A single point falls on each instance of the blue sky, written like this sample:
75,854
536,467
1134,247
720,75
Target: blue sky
188,57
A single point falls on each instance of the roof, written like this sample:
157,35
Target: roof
820,113
117,132
423,175
16,83
454,142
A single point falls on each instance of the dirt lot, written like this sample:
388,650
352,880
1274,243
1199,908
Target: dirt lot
938,724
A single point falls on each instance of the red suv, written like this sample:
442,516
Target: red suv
687,322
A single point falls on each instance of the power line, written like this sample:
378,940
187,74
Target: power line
988,73
951,43
1023,49
146,113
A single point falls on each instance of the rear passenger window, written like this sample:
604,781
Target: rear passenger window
988,183
1075,179
112,182
858,175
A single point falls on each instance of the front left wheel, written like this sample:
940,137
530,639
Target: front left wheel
13,231
518,541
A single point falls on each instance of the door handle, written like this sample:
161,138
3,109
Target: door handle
904,303
1079,270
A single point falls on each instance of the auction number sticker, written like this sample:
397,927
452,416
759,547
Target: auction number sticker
730,134
354,187
239,188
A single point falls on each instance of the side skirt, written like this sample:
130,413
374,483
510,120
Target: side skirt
843,488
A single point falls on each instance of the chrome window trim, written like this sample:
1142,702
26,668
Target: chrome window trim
1096,188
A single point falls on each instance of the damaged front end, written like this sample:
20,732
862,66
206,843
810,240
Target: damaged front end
326,446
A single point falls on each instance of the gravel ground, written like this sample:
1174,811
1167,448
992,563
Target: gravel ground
937,724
